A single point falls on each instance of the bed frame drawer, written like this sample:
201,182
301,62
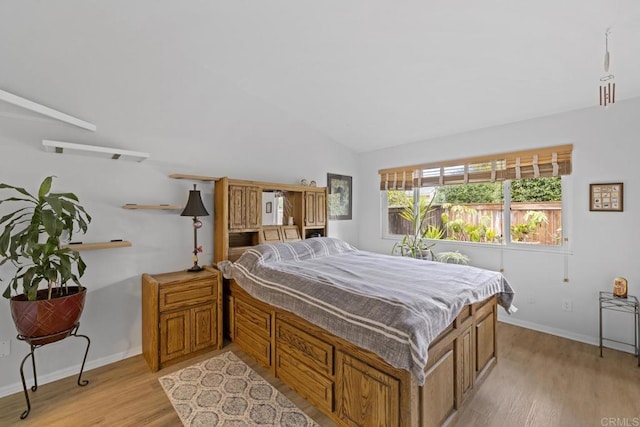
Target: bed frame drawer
438,396
257,347
366,396
485,342
305,380
253,319
304,347
252,331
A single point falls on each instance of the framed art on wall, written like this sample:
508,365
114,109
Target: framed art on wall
606,197
340,196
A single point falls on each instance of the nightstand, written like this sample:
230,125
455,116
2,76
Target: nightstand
626,305
181,315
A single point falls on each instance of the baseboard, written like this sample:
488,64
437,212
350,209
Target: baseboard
73,370
587,339
68,372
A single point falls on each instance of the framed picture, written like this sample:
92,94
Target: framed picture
606,197
340,196
268,207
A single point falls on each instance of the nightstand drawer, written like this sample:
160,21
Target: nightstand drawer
187,294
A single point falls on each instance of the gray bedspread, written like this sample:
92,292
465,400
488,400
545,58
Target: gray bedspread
390,305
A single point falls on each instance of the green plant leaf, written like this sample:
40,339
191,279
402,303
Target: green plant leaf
29,275
15,199
68,206
45,187
18,189
81,266
15,215
50,222
55,203
5,238
65,196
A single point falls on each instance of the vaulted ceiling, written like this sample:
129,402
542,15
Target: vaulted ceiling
366,74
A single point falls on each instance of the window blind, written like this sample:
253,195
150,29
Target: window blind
542,162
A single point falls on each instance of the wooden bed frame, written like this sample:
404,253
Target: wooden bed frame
353,386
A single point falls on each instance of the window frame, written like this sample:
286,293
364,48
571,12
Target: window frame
506,237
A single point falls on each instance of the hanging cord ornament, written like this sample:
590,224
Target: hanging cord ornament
607,85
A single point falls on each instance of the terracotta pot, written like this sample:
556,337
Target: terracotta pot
43,317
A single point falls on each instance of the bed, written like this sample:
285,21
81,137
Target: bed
369,339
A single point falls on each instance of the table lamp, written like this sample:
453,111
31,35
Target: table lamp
195,208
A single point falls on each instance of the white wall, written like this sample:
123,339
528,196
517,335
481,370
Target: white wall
603,245
90,61
162,240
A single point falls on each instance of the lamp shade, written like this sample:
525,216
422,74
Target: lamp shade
194,204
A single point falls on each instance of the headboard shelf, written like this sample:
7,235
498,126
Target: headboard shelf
244,238
244,209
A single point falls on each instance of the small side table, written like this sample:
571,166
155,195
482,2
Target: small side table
626,305
181,315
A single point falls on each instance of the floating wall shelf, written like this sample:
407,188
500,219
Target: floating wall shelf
104,152
193,177
98,245
159,207
45,111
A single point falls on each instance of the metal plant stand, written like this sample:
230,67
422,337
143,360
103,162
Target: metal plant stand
72,332
608,301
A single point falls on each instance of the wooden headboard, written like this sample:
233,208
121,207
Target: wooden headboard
238,212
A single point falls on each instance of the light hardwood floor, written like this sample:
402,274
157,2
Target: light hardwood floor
540,380
545,380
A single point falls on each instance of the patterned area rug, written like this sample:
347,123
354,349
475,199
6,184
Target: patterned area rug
224,391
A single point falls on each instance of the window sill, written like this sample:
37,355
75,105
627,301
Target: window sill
522,247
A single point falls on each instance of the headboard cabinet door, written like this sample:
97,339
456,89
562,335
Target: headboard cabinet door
245,207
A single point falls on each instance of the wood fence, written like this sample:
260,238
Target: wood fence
491,214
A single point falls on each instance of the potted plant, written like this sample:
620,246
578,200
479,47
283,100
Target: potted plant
31,242
453,257
413,244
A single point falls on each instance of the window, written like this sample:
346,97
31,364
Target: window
513,198
536,211
400,209
471,212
